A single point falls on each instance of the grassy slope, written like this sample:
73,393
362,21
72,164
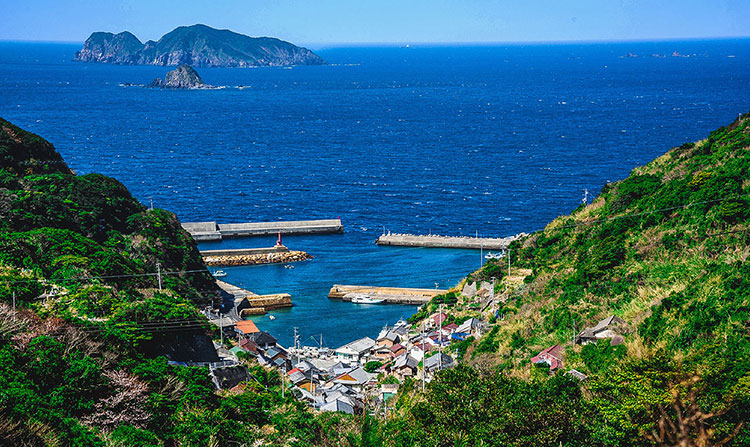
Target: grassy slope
665,249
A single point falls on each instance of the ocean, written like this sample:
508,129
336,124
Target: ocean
457,140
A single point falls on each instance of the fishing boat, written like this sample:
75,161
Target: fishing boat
219,274
361,298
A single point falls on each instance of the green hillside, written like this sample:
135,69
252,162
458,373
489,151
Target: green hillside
666,250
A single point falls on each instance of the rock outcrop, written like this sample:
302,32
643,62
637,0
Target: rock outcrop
196,45
182,77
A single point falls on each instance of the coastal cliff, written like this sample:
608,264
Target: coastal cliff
196,45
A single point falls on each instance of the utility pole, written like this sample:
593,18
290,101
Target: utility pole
424,357
283,382
440,345
221,329
296,344
508,262
481,255
158,273
14,305
492,294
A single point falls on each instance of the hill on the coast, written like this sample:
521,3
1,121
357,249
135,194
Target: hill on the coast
87,331
196,45
667,252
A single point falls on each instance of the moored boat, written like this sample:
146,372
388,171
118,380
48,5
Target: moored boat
361,298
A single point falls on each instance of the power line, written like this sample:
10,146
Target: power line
87,278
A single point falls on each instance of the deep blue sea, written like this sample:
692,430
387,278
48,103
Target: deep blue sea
452,140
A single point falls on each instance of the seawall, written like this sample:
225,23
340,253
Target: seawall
252,256
434,241
211,231
391,295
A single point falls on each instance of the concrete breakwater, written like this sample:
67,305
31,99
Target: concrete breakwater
260,304
252,256
248,303
391,295
211,231
435,241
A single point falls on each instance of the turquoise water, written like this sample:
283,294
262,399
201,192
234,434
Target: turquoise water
452,140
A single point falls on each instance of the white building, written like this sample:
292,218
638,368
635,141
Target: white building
356,351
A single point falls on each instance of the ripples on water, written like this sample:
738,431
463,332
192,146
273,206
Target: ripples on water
451,140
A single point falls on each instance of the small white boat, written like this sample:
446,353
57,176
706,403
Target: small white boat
494,255
361,298
219,274
271,317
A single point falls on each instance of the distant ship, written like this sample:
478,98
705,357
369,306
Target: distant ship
219,274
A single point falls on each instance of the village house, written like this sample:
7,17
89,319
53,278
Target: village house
300,379
397,350
246,327
382,353
417,352
437,320
262,339
449,329
552,356
607,328
472,327
340,405
405,366
356,351
388,391
356,379
388,338
437,362
250,346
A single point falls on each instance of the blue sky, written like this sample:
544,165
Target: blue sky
321,22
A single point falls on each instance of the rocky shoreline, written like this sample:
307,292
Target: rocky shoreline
257,259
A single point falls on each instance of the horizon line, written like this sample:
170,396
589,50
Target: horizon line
449,43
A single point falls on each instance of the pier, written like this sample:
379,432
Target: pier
435,241
252,256
391,295
211,231
249,303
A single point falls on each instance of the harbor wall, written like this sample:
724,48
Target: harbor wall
211,231
248,303
252,256
435,241
391,295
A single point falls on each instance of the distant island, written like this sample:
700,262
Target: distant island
196,45
182,77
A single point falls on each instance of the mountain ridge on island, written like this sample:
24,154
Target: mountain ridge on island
197,45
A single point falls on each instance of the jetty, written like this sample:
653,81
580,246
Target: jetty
252,256
435,241
391,295
248,303
211,231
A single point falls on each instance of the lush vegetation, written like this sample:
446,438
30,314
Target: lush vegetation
665,249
